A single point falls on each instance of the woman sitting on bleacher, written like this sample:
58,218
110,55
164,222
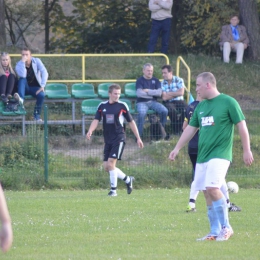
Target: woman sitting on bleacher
7,78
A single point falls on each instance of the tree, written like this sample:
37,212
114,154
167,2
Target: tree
22,17
2,24
249,18
104,26
49,8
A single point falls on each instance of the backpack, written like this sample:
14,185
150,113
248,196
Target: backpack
11,106
157,130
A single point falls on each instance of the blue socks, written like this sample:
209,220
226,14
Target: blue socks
221,210
215,225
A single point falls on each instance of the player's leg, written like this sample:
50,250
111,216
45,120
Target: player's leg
117,152
199,183
193,192
110,167
215,177
231,206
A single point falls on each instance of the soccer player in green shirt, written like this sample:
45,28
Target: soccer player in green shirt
215,118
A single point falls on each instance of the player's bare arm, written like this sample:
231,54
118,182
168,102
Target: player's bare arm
188,133
244,135
92,128
6,232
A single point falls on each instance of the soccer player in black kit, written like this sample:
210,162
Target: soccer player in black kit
113,112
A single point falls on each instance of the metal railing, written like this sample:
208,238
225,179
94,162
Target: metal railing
83,64
179,60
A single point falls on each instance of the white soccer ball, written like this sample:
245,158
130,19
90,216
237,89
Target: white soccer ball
232,187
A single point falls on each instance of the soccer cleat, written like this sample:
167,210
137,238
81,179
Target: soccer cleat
129,186
17,98
234,207
112,194
225,234
190,209
208,237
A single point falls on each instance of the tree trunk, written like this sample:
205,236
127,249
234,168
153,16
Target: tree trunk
174,39
47,26
2,24
249,18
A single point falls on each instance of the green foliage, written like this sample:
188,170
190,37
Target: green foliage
110,26
200,23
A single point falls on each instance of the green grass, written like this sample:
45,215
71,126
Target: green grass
148,224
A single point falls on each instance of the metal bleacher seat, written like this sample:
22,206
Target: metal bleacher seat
83,90
130,90
88,107
9,117
57,91
103,90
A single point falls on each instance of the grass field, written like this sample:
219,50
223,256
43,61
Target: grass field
148,224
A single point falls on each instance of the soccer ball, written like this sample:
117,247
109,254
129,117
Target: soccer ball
232,187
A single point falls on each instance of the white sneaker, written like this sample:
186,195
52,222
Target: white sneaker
17,97
225,234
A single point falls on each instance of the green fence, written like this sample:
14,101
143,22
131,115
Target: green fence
77,163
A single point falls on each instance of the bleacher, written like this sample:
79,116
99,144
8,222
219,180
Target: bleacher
56,92
83,93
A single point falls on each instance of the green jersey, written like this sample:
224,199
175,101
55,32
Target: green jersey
215,119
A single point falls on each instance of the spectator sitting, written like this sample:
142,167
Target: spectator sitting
7,78
172,95
233,38
148,89
32,80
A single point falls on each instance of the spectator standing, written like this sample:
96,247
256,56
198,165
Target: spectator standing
113,113
33,77
148,89
172,94
233,38
7,78
161,24
215,117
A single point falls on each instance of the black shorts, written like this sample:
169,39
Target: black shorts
114,151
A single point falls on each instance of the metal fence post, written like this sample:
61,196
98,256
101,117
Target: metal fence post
46,168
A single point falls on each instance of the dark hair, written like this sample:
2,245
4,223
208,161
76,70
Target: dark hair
168,67
26,49
234,15
112,87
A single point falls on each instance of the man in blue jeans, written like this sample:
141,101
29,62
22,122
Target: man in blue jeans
148,89
161,23
32,80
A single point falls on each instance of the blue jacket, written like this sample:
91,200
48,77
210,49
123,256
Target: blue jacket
39,69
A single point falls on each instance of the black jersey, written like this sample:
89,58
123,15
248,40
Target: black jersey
113,120
193,143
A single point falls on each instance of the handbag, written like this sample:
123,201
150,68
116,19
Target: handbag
12,106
